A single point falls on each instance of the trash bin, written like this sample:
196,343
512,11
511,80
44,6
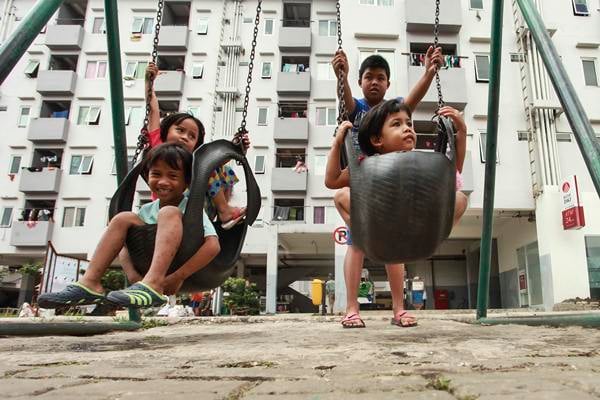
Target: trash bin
441,299
317,292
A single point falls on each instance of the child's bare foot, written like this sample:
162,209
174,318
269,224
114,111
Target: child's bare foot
231,216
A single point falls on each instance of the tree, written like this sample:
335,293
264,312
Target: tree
241,297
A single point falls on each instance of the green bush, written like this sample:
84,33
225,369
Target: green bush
31,268
113,279
242,297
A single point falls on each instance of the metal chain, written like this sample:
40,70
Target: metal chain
242,129
143,136
342,112
436,40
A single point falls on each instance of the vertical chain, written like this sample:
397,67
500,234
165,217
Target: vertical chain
242,129
342,112
436,40
143,137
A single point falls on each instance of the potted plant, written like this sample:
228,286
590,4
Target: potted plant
241,297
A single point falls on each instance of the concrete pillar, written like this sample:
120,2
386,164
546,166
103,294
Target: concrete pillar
340,285
272,263
241,269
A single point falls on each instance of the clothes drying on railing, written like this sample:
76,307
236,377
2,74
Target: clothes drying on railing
450,61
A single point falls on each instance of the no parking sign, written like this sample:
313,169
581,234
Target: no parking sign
341,235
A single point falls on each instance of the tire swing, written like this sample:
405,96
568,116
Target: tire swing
140,240
402,204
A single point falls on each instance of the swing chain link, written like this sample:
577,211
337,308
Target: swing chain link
436,40
142,141
242,129
342,112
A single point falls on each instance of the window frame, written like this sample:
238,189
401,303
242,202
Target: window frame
77,216
331,27
90,119
102,28
256,162
585,60
324,210
262,70
324,65
266,122
585,13
80,170
113,168
482,148
471,7
195,66
11,163
272,21
9,216
129,114
327,111
32,68
477,77
20,123
96,74
202,26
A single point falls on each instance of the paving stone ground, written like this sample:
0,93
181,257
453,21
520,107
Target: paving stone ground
307,357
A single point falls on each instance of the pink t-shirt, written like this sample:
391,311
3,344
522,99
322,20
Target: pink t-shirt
154,138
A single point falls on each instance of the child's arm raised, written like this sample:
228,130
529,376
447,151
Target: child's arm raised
433,61
154,116
461,134
335,177
340,62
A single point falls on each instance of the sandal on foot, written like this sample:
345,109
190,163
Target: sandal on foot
353,321
75,294
138,295
403,320
238,215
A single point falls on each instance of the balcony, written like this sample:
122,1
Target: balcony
48,130
173,38
170,83
454,86
46,181
288,180
291,129
420,16
293,83
294,39
56,83
325,46
31,234
64,37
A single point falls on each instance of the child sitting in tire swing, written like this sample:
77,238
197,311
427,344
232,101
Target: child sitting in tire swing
168,171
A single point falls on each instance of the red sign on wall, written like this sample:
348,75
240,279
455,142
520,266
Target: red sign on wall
572,213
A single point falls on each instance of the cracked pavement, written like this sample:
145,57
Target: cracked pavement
307,357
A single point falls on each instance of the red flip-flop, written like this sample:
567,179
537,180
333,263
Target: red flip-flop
400,320
238,215
349,321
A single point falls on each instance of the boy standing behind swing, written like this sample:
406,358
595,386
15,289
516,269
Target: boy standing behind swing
374,80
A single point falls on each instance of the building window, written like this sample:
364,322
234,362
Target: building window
113,169
263,114
203,26
319,215
580,7
24,114
589,72
88,115
476,4
15,165
328,28
482,67
267,69
6,217
142,25
288,210
592,250
269,23
325,72
81,165
95,70
326,116
135,70
195,111
197,71
320,165
32,68
99,25
134,116
482,147
259,165
73,216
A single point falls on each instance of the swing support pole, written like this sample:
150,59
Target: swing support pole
485,255
29,28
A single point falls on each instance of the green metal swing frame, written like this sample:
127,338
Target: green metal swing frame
20,40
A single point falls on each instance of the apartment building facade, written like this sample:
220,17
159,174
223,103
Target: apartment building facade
58,153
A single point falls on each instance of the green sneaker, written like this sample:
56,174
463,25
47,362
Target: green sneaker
138,295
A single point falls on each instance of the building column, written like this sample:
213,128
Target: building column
272,264
340,284
241,269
